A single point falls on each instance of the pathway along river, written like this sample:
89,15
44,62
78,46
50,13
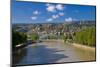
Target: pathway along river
48,52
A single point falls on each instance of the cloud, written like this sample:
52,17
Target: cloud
55,16
68,19
34,18
54,8
50,19
36,12
61,13
48,4
59,7
51,8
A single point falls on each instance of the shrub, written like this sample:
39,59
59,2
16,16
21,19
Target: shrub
86,36
18,38
34,37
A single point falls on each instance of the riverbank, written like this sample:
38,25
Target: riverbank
53,40
84,47
80,46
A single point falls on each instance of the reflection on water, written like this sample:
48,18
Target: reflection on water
19,55
41,54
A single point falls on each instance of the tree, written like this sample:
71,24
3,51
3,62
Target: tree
34,37
86,36
18,38
65,37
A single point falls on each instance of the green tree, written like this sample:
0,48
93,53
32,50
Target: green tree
18,38
34,37
86,36
65,37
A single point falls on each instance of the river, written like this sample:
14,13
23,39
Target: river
48,52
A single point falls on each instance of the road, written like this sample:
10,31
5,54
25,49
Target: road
51,52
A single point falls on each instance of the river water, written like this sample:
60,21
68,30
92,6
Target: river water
49,52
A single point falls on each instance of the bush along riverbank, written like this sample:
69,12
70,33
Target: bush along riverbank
85,36
18,38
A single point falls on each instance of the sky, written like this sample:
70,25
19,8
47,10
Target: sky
36,12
